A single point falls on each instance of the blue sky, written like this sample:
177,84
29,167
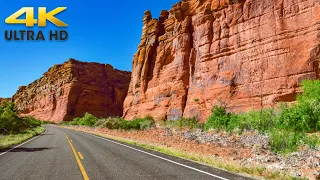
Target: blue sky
103,31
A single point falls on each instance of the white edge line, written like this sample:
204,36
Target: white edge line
22,143
189,167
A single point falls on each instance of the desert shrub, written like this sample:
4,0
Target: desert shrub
75,121
135,124
87,120
99,123
286,126
297,118
114,122
10,122
221,119
47,122
262,120
311,91
32,122
305,115
312,141
110,123
125,125
183,122
285,141
139,123
147,124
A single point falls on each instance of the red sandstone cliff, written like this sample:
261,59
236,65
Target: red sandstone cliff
71,89
242,54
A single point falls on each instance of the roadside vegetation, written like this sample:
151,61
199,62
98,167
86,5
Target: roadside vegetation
14,129
255,171
113,122
9,140
288,126
190,123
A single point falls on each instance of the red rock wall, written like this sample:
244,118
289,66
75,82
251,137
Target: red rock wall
240,54
72,89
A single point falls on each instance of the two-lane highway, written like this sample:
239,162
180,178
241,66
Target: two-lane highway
66,154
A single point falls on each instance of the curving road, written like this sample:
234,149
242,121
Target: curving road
60,154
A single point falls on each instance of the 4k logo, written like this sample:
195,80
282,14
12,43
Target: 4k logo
43,16
30,21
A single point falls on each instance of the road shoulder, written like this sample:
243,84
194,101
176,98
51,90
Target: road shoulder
11,140
193,161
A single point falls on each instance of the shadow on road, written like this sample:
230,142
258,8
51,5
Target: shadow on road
26,149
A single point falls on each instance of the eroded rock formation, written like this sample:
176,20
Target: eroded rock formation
241,54
71,89
3,100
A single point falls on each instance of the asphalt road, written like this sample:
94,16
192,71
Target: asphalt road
63,154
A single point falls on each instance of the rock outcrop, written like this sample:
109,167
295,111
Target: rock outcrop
71,89
3,100
241,54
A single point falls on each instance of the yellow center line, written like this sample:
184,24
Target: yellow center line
80,155
83,172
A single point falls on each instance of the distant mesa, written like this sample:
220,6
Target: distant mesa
73,88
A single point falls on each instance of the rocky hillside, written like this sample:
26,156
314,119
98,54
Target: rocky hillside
240,54
73,88
4,100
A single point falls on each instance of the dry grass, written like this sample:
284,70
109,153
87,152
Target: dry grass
13,139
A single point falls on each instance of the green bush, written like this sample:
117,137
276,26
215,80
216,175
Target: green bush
298,118
312,141
99,123
114,122
32,122
140,123
311,91
135,124
305,115
110,123
10,122
87,120
262,120
221,119
285,141
47,122
125,125
147,124
287,127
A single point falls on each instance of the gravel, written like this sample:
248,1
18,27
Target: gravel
225,139
304,163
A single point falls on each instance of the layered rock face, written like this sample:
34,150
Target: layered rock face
72,89
241,54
